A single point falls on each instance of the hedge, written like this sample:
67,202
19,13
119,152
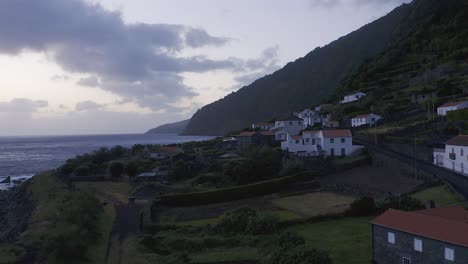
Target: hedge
458,115
233,193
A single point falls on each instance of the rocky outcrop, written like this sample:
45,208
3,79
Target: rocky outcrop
15,210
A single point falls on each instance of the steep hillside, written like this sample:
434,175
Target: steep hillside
299,84
432,59
172,128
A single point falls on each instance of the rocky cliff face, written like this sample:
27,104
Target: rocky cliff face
15,210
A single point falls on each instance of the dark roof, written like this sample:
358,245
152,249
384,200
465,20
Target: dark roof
336,133
461,140
444,224
452,104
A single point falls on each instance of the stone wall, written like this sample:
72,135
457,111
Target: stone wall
15,210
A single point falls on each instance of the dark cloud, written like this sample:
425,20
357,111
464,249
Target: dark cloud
91,81
253,69
88,106
22,105
139,61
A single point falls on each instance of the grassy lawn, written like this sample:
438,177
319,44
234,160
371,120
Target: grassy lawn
115,191
47,195
347,240
442,196
10,253
97,253
349,159
226,255
313,204
282,215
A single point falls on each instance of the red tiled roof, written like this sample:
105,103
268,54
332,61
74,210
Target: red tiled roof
338,133
452,104
455,213
170,149
310,132
448,224
461,140
362,116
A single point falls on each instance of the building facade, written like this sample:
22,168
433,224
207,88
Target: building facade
353,97
322,142
443,109
362,120
431,236
292,126
263,126
454,156
246,139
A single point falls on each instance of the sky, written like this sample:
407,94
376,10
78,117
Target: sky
118,66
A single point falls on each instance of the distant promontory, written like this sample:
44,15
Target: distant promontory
171,128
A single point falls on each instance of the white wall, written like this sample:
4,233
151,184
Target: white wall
459,164
337,145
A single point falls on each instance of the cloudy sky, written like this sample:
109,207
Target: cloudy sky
119,66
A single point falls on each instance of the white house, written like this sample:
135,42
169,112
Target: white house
443,109
368,119
331,124
291,125
305,113
353,97
263,126
327,142
455,155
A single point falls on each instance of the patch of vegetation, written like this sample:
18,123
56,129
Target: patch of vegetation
347,240
441,195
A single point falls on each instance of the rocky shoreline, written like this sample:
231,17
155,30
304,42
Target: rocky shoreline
15,209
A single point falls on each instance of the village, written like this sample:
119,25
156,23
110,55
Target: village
407,210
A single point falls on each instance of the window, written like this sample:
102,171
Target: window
418,245
461,152
332,152
406,261
449,254
297,141
343,152
290,123
299,123
343,140
307,139
332,140
391,238
313,141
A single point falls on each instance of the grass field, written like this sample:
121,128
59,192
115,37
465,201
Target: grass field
47,195
115,191
314,204
226,255
442,196
347,240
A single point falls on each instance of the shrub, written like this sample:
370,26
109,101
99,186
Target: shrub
116,169
298,255
362,207
131,169
76,228
404,203
246,221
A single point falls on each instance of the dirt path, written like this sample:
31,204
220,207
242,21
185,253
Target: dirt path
127,217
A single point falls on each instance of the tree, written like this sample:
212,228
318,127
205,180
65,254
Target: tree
131,169
182,170
116,169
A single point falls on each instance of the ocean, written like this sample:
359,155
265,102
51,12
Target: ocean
23,157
